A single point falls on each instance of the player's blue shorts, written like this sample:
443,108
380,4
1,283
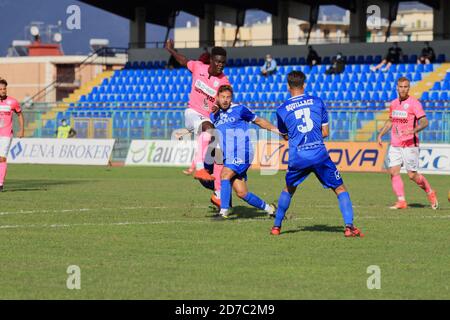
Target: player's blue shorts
239,165
240,169
325,171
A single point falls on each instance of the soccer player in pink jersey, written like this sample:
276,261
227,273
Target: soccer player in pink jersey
406,119
8,105
206,80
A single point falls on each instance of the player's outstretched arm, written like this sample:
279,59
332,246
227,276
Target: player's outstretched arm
264,124
387,126
181,59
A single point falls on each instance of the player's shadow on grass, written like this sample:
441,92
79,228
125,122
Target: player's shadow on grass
417,205
241,212
37,185
316,228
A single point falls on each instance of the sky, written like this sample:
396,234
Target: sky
112,27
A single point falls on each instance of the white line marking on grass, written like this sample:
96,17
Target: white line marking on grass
77,210
125,223
128,223
74,210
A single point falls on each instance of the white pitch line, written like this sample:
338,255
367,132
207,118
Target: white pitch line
127,223
77,210
90,209
74,210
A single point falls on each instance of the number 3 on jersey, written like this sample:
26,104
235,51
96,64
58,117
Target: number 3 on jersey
306,124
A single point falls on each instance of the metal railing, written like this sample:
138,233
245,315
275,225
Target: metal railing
410,36
101,55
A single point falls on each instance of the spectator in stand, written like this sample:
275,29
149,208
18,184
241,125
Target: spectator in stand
393,56
313,58
269,67
337,66
427,55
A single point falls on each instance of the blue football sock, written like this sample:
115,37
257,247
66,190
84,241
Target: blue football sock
255,201
345,204
225,194
283,204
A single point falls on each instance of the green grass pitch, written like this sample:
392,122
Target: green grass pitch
147,233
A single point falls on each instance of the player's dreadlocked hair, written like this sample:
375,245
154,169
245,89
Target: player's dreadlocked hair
296,79
218,51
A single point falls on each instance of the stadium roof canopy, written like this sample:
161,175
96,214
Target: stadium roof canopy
158,11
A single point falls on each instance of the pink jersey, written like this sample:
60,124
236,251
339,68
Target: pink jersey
405,116
7,107
204,87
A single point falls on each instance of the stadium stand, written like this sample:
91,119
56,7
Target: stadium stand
138,97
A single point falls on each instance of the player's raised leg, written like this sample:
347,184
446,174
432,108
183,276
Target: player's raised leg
203,140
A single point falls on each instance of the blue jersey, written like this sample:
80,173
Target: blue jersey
302,118
233,126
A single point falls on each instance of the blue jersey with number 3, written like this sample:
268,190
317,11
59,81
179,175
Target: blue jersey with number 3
302,118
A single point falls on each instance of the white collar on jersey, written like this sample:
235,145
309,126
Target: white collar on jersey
232,106
300,95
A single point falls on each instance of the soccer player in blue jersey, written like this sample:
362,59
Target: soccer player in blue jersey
304,120
232,124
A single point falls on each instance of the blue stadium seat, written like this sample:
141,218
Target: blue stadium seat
425,95
434,95
410,67
348,96
392,95
417,76
366,96
436,86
